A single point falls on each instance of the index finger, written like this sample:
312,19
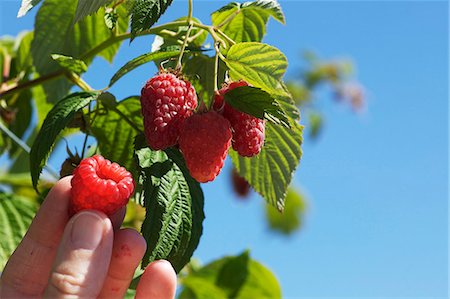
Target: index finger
28,269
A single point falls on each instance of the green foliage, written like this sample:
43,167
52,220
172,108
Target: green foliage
142,59
87,7
200,69
71,64
113,132
16,214
174,203
145,13
246,22
57,119
55,33
258,103
231,277
291,219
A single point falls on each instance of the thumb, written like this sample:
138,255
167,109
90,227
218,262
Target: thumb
82,261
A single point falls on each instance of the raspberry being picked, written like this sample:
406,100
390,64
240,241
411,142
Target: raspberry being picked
100,185
166,101
248,131
204,142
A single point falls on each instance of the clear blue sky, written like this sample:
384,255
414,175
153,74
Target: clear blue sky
377,183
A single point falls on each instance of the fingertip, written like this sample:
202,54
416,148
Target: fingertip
158,281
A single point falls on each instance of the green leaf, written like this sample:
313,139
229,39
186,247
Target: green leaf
258,103
291,219
71,64
174,203
23,59
24,108
26,6
271,171
259,64
55,33
115,136
231,277
16,214
246,22
200,70
145,13
57,119
88,7
140,60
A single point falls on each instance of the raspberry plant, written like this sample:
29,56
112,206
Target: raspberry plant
239,77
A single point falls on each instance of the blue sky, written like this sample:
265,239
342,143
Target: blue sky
377,183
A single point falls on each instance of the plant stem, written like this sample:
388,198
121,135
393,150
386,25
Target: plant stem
186,37
25,147
216,71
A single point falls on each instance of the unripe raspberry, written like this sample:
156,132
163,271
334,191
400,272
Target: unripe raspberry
166,102
204,142
100,185
248,131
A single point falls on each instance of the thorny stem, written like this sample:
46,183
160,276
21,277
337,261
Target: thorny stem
216,70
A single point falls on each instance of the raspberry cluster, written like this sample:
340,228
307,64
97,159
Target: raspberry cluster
168,104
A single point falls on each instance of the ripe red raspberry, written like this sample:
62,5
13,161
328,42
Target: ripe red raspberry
240,185
204,142
100,185
166,102
248,131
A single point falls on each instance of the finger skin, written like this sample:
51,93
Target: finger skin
83,257
158,281
128,249
27,271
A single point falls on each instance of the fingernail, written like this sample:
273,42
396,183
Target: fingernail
87,230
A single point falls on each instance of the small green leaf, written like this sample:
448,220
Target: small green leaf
111,18
16,214
291,219
88,7
231,277
145,13
174,202
258,103
140,60
246,22
69,63
115,136
57,119
26,6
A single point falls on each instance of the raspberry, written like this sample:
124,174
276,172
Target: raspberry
240,185
166,102
248,131
204,142
100,185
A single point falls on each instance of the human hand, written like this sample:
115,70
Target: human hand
87,256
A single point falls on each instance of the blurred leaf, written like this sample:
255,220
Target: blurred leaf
145,13
246,22
57,119
55,33
140,60
291,219
24,109
87,7
115,136
23,59
26,6
258,103
315,124
174,203
16,214
69,63
231,277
